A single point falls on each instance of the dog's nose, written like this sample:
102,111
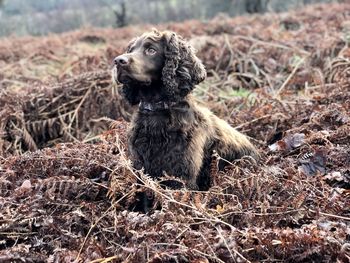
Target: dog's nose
121,60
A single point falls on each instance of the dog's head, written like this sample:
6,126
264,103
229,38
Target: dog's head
160,58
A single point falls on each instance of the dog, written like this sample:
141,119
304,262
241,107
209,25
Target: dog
171,133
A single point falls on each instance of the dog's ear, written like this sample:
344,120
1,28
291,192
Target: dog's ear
182,68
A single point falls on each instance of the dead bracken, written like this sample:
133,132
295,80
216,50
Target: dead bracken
67,189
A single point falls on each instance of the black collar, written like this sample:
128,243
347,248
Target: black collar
155,106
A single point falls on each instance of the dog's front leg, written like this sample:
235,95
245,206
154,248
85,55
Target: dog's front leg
192,184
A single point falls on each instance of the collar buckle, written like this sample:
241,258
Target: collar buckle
154,106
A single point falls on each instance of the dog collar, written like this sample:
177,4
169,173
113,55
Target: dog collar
155,106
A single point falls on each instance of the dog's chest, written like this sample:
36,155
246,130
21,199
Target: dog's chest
159,145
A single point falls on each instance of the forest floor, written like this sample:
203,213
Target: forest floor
69,194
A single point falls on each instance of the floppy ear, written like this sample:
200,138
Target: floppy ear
182,69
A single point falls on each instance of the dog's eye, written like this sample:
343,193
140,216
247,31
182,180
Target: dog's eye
150,51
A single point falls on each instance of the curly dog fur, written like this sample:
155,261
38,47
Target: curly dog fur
170,132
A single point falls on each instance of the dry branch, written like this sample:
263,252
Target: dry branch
74,110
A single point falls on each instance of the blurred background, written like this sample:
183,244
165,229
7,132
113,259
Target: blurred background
40,17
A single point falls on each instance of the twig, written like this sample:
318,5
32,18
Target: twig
192,249
229,249
104,260
291,75
252,121
95,224
276,45
331,215
79,106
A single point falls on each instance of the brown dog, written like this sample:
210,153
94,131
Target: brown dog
170,132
